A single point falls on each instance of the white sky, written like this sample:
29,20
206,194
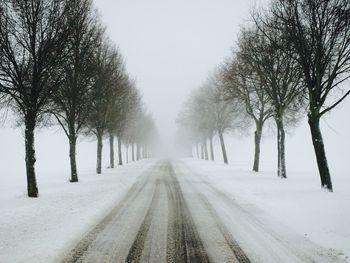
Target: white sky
171,45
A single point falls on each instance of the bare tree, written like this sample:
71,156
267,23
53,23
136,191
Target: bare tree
150,137
319,34
281,78
122,111
72,103
207,111
130,136
33,44
145,136
198,118
243,82
115,115
109,67
134,106
227,113
204,114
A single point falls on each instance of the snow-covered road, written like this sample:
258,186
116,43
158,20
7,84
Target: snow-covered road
172,214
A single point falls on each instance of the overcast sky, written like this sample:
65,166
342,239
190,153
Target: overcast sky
171,45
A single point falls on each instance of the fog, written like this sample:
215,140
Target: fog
170,47
140,196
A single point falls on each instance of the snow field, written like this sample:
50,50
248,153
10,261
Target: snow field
41,230
296,204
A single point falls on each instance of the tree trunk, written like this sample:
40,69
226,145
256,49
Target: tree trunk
72,157
211,148
281,165
223,148
111,150
133,152
120,155
127,153
283,152
99,152
317,140
30,156
197,151
278,150
205,150
257,140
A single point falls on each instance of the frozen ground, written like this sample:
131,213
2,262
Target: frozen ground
172,214
297,204
38,230
156,211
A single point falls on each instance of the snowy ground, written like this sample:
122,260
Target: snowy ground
39,230
174,212
296,204
272,220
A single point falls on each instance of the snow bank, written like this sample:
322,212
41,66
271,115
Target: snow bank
297,202
40,230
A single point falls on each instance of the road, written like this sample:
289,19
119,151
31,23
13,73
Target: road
173,215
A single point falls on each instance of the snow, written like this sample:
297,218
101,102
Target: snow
40,230
297,204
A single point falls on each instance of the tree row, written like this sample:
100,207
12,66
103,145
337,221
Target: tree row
291,60
58,66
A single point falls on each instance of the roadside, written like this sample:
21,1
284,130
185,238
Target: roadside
173,214
296,206
40,230
184,211
157,221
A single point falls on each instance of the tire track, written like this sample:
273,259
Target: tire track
283,249
135,252
156,221
215,222
184,243
76,255
231,242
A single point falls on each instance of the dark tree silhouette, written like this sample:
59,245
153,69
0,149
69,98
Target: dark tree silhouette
319,34
242,81
281,80
72,103
33,45
122,112
109,68
113,115
131,132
